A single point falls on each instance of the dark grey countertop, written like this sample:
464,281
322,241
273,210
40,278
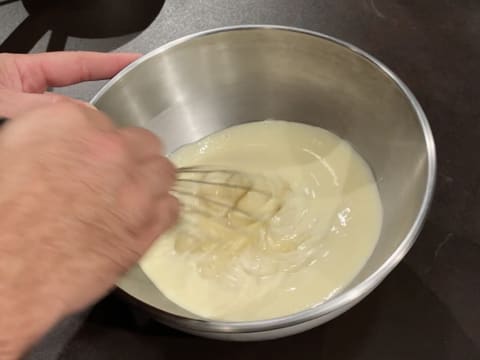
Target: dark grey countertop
429,307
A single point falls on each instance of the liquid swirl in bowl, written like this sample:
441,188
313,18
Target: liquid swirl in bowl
322,225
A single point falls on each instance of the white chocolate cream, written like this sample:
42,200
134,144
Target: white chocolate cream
294,250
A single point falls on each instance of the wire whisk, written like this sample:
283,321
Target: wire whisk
236,198
230,219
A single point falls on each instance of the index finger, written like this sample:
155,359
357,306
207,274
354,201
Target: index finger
39,71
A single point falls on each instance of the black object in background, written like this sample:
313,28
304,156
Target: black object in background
92,19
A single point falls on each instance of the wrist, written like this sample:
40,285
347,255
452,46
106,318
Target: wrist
24,319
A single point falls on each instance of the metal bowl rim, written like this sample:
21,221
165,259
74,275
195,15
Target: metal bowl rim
353,295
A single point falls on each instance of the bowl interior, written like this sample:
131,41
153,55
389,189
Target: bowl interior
192,88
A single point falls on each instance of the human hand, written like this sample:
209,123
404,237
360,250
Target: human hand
80,202
24,79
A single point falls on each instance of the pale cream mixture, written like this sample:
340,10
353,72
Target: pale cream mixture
293,244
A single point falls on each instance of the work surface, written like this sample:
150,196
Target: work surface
428,308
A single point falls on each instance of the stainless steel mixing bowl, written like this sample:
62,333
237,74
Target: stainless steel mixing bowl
202,83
